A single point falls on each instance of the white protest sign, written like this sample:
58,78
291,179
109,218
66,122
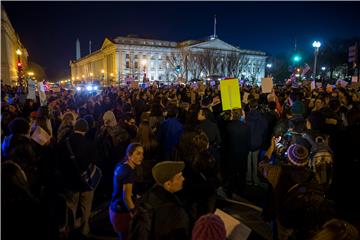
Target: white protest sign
234,229
31,90
40,136
312,85
266,85
42,94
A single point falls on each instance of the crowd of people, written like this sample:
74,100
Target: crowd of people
166,154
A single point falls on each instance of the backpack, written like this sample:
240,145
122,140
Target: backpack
141,223
104,143
305,207
321,161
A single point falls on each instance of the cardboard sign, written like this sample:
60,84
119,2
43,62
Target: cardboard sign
230,94
245,97
134,84
266,85
40,136
234,229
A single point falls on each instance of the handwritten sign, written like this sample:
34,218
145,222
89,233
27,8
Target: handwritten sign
40,136
234,229
230,94
266,85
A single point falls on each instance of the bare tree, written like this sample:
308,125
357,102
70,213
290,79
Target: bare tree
258,66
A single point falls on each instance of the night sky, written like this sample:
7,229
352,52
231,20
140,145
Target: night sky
49,29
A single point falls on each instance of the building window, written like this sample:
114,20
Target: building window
159,77
127,56
127,64
144,56
159,56
152,77
136,64
136,56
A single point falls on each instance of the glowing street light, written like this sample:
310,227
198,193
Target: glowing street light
316,45
323,68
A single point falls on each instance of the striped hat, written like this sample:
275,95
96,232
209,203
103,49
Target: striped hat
298,155
209,227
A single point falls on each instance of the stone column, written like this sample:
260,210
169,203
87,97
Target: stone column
117,66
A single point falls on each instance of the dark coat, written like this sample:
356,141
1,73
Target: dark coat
258,129
84,151
170,220
211,130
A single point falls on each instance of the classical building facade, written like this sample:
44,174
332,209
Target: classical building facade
136,58
10,44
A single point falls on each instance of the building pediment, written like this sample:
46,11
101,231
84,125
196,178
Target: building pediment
107,43
214,44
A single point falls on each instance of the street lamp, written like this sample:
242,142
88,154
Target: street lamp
323,68
316,45
268,66
19,66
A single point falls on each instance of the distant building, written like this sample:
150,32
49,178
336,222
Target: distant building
131,58
10,43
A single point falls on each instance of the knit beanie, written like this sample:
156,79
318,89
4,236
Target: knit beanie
81,125
298,154
209,227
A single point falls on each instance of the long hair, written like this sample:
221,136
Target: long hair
146,137
131,149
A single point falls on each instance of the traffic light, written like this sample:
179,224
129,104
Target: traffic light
19,64
178,68
297,58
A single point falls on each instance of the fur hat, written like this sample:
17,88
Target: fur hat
208,227
109,119
298,154
164,171
81,125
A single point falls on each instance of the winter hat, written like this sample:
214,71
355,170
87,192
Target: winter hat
19,126
209,227
298,154
81,125
164,171
109,119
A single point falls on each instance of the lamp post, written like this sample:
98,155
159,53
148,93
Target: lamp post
269,66
316,45
19,67
102,75
144,62
91,77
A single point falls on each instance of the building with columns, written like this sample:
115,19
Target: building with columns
135,58
12,52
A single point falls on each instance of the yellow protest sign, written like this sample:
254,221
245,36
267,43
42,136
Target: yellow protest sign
230,94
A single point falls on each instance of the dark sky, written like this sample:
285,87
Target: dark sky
49,29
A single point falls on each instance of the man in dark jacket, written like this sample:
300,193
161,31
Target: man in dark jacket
258,129
169,220
78,198
237,146
208,127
